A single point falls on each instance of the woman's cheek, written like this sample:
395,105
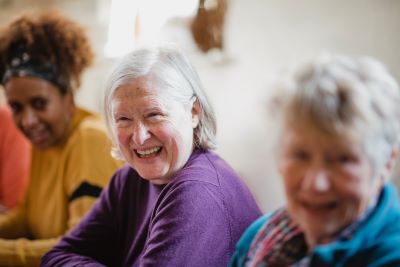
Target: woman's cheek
290,169
123,136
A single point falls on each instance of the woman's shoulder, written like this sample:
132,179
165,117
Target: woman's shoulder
126,176
123,173
208,175
206,167
88,128
248,236
89,122
245,241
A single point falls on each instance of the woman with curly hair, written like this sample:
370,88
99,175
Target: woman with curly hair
42,58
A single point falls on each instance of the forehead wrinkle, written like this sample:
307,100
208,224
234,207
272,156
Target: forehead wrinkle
130,91
138,98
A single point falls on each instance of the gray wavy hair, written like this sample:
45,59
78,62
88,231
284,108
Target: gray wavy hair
355,97
176,78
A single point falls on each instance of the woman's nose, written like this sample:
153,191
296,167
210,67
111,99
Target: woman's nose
29,119
316,180
140,134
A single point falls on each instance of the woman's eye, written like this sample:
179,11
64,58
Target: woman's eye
154,116
122,121
300,155
39,103
345,158
15,107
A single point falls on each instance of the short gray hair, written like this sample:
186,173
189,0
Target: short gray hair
175,76
355,97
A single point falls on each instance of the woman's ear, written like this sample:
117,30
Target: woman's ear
390,164
393,157
196,113
70,104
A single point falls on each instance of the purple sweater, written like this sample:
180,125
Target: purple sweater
194,220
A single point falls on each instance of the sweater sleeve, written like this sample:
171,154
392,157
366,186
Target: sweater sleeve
92,242
13,250
191,227
17,249
89,169
13,224
242,247
24,252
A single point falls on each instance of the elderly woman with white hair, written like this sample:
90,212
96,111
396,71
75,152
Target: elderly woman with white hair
175,203
338,143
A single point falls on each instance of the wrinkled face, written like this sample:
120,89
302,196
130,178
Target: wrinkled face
154,133
328,181
41,112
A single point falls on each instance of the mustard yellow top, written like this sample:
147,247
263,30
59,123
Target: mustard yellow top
63,185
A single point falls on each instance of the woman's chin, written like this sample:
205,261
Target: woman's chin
320,232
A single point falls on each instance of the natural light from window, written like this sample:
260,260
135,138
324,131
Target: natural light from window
135,23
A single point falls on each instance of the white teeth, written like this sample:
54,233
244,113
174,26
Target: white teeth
148,151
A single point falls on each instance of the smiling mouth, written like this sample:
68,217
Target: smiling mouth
326,207
38,137
148,153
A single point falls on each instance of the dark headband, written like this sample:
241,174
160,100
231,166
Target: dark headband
23,65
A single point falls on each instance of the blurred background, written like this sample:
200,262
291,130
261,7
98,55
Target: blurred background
261,41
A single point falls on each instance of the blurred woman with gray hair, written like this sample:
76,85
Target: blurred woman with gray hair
338,143
175,203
